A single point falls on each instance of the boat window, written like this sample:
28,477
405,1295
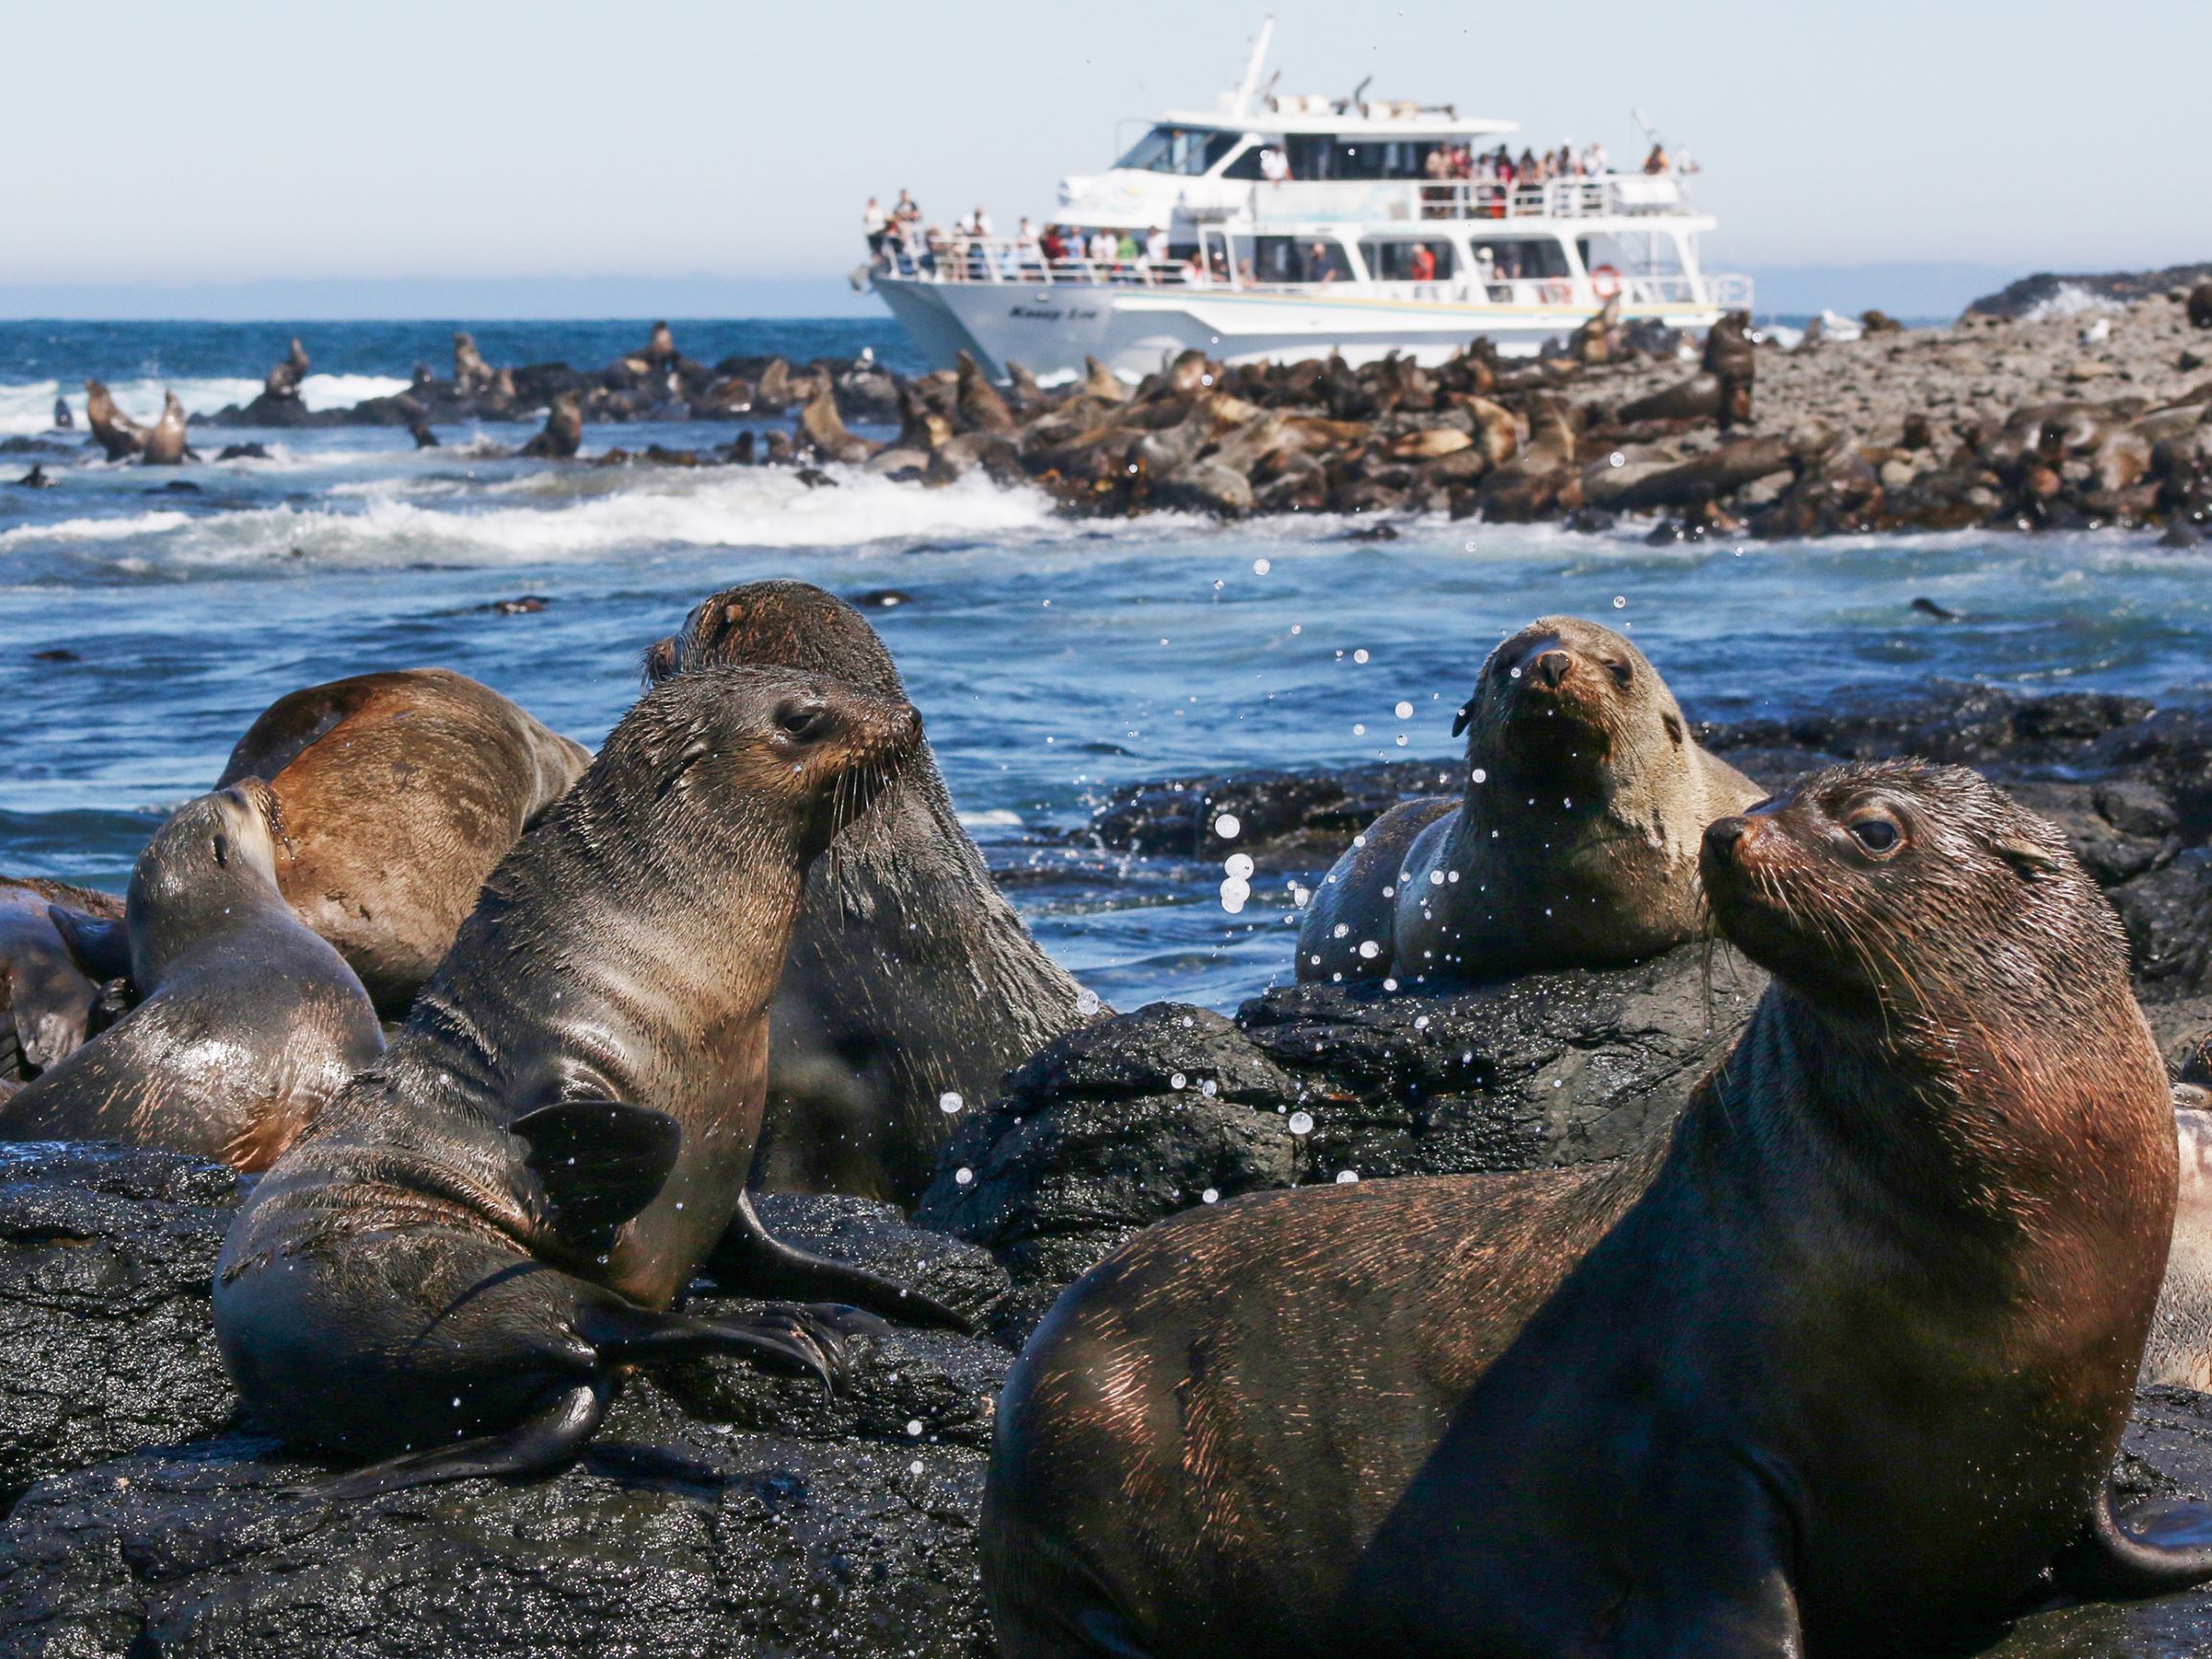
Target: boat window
1247,165
1327,156
1293,260
1511,256
1635,253
1397,260
1185,149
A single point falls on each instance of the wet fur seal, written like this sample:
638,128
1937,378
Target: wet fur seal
909,976
399,792
47,999
165,443
1838,1366
247,1022
449,1268
1574,844
117,434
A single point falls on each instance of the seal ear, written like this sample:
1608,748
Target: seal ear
598,1162
2027,859
99,946
1465,715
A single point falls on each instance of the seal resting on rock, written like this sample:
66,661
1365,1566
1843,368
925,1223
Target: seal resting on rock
247,1024
45,995
1838,1366
910,979
449,1269
398,793
1575,843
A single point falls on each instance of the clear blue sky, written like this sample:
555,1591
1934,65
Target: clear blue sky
491,147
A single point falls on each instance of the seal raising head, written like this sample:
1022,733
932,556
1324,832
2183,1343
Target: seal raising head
478,1233
1575,842
910,980
1837,1367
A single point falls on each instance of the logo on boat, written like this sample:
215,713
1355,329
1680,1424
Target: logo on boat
1053,314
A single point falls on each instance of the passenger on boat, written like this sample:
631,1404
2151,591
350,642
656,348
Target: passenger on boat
1436,195
1053,245
1595,163
1657,161
907,217
878,224
977,224
1156,253
1274,164
1422,265
1103,247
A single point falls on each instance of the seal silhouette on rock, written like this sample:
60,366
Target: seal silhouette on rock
399,792
449,1268
117,434
1575,842
910,981
1838,1366
248,1021
46,996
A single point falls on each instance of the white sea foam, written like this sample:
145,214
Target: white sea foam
736,507
27,407
2068,300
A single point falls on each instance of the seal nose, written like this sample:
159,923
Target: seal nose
1551,667
1722,835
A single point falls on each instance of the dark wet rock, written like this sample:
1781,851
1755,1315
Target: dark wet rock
670,1537
1126,1122
107,1261
522,604
243,452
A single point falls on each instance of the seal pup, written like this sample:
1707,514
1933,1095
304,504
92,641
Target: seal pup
399,792
115,432
1575,842
910,981
1838,1366
45,996
248,1022
448,1268
165,443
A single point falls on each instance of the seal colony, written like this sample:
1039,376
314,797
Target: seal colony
1838,1363
1670,1406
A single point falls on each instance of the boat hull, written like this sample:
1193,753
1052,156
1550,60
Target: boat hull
1134,329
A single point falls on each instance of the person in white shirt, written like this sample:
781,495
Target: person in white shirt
1156,248
877,223
1103,247
979,224
1274,164
1595,162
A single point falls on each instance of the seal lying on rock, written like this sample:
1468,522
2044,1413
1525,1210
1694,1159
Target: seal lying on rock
910,979
1574,844
248,1021
398,793
1837,1366
476,1233
45,995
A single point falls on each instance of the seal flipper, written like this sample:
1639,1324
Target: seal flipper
100,944
2157,1546
544,1446
749,1262
599,1163
794,1337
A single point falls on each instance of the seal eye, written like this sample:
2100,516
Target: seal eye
1621,673
1875,834
806,722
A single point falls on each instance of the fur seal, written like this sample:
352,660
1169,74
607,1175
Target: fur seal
1575,842
284,381
909,978
398,793
447,1269
45,996
63,421
115,432
1837,1366
165,443
248,1022
563,432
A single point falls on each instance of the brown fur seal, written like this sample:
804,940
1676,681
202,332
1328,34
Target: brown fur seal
563,432
116,433
46,998
398,793
1838,1366
454,1261
1575,843
166,444
247,1024
909,978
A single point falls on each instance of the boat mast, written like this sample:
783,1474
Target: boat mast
1250,84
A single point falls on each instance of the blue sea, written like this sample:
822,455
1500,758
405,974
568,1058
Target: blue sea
1053,658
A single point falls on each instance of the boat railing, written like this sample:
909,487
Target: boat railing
1603,195
993,259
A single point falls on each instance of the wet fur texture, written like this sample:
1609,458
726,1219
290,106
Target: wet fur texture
47,1000
1574,844
398,793
909,976
401,1280
247,1022
1837,1366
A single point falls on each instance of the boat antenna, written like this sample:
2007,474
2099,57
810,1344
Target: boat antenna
1651,132
1353,102
1251,81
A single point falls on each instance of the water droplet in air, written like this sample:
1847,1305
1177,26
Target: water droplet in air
1403,711
1211,1196
1177,1080
1345,1177
963,1175
1338,932
1262,566
914,1428
1239,864
1620,602
1479,775
1301,1123
1086,1002
1358,730
950,1103
1369,949
1360,655
1228,826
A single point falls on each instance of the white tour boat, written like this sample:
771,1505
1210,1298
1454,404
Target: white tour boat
1287,227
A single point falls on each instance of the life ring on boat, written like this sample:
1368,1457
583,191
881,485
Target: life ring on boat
1604,282
1557,293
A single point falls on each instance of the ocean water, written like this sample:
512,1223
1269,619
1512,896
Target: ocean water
1053,658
